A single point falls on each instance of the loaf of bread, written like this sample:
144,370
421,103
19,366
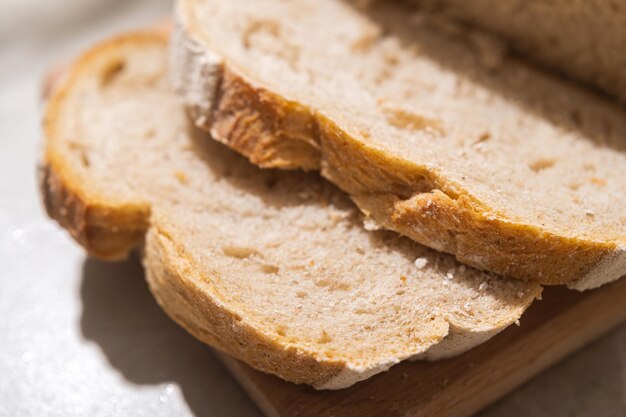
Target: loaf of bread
271,267
434,131
584,39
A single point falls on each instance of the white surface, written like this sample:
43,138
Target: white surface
83,338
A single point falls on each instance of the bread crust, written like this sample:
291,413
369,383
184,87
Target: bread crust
416,201
107,230
108,233
110,229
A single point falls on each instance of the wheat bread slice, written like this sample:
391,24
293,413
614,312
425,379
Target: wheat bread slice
579,38
435,132
271,267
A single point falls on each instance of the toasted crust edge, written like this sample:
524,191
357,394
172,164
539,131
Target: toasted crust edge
108,233
417,202
107,230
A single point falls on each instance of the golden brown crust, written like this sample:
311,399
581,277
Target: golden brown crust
422,206
271,136
413,201
106,232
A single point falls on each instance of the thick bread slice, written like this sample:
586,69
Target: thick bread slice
585,39
273,268
434,132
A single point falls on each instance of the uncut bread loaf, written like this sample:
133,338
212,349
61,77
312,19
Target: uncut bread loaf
584,39
433,131
271,267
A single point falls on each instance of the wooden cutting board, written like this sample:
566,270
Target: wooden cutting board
552,328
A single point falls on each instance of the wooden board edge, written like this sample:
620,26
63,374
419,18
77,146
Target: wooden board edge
501,365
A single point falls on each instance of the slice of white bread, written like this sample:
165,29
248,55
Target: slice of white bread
585,39
273,268
434,132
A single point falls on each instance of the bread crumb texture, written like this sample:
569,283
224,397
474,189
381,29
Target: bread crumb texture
274,268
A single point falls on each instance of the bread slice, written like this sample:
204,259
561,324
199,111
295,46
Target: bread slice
434,132
273,268
579,38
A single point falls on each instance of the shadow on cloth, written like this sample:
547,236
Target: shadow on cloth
121,316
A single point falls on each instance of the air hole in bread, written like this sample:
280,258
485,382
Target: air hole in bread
181,177
324,338
267,35
485,136
600,182
269,269
542,163
322,283
367,39
112,72
574,186
271,27
149,133
589,167
84,159
408,120
239,252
